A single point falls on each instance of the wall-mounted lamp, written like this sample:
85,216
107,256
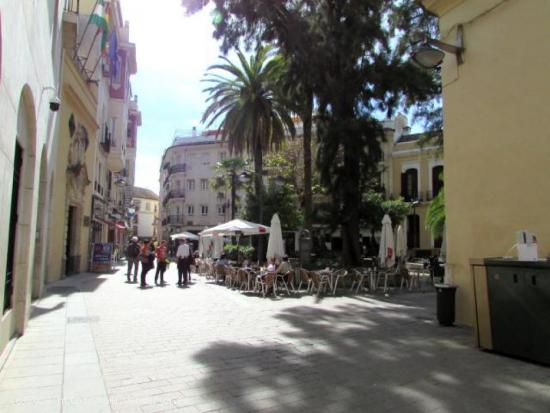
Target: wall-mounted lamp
430,53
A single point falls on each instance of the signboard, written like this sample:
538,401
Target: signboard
101,256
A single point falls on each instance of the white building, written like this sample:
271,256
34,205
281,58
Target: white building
30,49
187,201
146,204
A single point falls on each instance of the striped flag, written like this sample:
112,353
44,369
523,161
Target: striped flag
100,19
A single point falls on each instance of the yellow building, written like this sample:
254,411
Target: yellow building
72,192
497,123
412,171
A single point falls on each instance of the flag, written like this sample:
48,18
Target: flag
100,19
113,55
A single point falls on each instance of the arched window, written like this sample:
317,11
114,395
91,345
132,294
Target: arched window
437,179
409,185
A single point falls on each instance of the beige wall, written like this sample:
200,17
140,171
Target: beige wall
27,83
81,104
497,131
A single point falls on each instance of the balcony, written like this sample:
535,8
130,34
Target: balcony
115,159
177,168
173,194
175,220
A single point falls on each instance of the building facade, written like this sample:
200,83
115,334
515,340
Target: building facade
414,172
187,201
30,51
497,119
56,98
146,205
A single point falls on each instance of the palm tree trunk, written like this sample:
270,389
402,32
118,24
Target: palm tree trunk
307,121
258,189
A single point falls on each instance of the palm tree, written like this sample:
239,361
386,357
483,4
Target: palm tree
227,178
254,115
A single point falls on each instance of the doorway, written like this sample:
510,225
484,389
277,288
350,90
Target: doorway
71,264
8,289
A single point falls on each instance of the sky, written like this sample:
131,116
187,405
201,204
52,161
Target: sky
173,53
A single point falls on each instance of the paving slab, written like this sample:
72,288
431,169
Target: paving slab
96,343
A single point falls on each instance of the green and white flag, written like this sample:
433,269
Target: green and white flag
99,18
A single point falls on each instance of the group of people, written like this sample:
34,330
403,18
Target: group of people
145,253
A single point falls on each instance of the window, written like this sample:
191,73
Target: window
204,209
190,184
204,184
409,185
147,206
221,209
190,209
437,179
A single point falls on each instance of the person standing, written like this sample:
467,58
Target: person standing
132,253
147,258
182,256
161,253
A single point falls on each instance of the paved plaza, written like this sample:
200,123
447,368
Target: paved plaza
98,344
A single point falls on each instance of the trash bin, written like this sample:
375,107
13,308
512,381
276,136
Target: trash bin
445,304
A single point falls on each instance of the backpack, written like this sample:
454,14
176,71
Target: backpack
133,250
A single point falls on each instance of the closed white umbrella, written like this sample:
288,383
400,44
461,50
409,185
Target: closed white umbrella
386,253
275,245
401,243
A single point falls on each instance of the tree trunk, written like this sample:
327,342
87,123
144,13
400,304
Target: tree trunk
233,192
307,121
351,198
258,189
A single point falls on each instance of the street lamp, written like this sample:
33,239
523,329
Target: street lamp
430,54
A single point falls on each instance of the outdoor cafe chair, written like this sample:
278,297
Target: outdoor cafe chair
281,280
266,282
320,281
242,279
362,275
219,273
301,276
337,276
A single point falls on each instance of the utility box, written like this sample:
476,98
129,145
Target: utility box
518,303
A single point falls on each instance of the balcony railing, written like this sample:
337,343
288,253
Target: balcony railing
175,219
174,193
179,167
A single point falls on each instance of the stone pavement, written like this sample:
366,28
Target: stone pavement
97,344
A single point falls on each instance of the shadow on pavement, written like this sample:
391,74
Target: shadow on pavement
370,356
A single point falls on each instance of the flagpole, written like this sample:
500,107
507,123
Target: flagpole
85,28
91,47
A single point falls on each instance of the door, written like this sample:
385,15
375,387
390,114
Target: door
18,163
509,311
538,300
69,246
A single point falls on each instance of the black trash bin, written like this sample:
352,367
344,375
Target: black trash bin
445,304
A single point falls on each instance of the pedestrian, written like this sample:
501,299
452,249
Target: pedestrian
191,260
132,253
161,253
147,258
182,256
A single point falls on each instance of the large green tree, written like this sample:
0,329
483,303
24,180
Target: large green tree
254,117
354,55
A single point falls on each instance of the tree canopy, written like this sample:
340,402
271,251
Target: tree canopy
354,56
